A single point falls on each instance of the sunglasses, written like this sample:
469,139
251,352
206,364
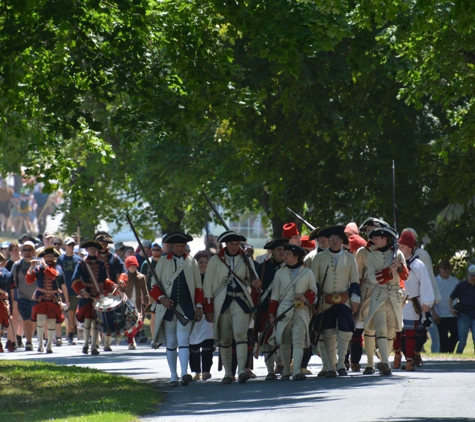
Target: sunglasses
27,250
156,250
71,244
57,244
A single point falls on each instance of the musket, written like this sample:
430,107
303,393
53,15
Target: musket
278,318
252,271
310,226
320,294
180,317
395,211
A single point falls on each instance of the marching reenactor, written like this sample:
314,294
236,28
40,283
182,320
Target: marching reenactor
366,288
90,281
114,268
230,298
293,293
178,289
266,272
322,244
419,297
50,285
387,272
337,274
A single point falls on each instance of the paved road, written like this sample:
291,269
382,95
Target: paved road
440,391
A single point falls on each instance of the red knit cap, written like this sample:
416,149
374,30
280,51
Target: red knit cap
356,242
289,230
131,260
307,244
351,228
408,239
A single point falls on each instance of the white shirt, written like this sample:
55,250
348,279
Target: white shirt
446,287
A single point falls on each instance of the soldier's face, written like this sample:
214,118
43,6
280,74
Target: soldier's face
379,242
294,240
290,258
279,253
323,242
406,251
233,247
179,249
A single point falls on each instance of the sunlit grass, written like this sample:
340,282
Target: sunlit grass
37,391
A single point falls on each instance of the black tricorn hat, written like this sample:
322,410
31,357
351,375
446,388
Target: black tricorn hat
177,237
272,244
383,232
327,231
231,236
91,244
103,237
372,221
47,250
296,249
316,232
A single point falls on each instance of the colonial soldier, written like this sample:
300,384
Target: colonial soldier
114,268
322,245
341,296
50,284
5,286
419,297
179,277
387,274
293,294
266,272
366,288
89,281
228,286
421,335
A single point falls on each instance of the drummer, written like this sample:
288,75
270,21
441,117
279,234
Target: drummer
88,289
134,285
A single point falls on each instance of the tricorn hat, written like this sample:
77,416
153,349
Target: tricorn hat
316,232
48,250
103,237
383,232
177,237
296,249
231,236
91,244
372,221
333,230
272,244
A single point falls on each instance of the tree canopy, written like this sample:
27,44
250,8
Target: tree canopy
139,105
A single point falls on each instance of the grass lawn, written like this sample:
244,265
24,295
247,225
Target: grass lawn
37,391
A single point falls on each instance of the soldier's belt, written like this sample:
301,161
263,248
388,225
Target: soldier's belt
336,298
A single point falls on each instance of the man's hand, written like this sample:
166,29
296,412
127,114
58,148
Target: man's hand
354,307
168,303
425,308
271,320
436,318
257,284
303,299
85,294
209,316
198,314
454,312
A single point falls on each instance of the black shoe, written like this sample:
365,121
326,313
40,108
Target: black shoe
384,368
368,370
243,377
300,377
186,379
95,352
285,377
342,372
330,374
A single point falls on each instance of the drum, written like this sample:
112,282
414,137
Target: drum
115,314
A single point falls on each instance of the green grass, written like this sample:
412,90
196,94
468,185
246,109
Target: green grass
468,353
37,391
